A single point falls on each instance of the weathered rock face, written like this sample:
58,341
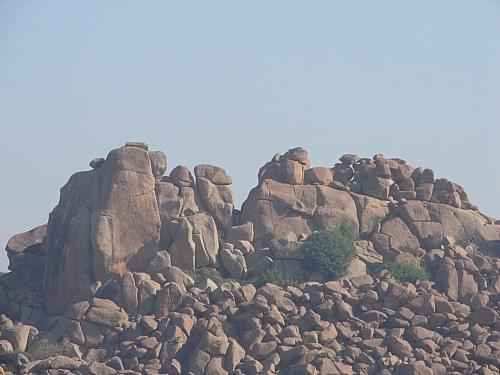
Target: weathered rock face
107,222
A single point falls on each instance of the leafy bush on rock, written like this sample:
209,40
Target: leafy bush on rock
275,277
201,274
406,272
47,348
329,252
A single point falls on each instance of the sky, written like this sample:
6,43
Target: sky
232,82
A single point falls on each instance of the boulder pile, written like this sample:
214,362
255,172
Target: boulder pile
137,272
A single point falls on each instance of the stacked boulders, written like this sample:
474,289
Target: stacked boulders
194,213
385,178
381,326
110,284
376,198
107,222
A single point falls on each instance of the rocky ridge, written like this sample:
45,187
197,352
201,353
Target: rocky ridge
108,284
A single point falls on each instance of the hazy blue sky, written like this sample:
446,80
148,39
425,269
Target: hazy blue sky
231,83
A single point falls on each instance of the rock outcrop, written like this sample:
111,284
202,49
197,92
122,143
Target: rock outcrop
106,223
117,216
137,272
376,198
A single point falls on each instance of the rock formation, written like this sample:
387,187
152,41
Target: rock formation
119,280
106,223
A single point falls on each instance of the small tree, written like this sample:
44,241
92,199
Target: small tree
329,252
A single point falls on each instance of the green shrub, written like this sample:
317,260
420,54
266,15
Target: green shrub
275,277
8,358
329,252
201,274
46,348
406,272
469,236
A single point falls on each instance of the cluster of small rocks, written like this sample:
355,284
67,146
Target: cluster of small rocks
377,177
374,326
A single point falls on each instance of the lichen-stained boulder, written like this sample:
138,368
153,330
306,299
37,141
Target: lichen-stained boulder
25,253
106,223
216,193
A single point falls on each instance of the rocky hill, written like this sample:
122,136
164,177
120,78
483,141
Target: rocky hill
140,273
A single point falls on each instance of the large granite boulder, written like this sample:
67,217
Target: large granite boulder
291,212
106,223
